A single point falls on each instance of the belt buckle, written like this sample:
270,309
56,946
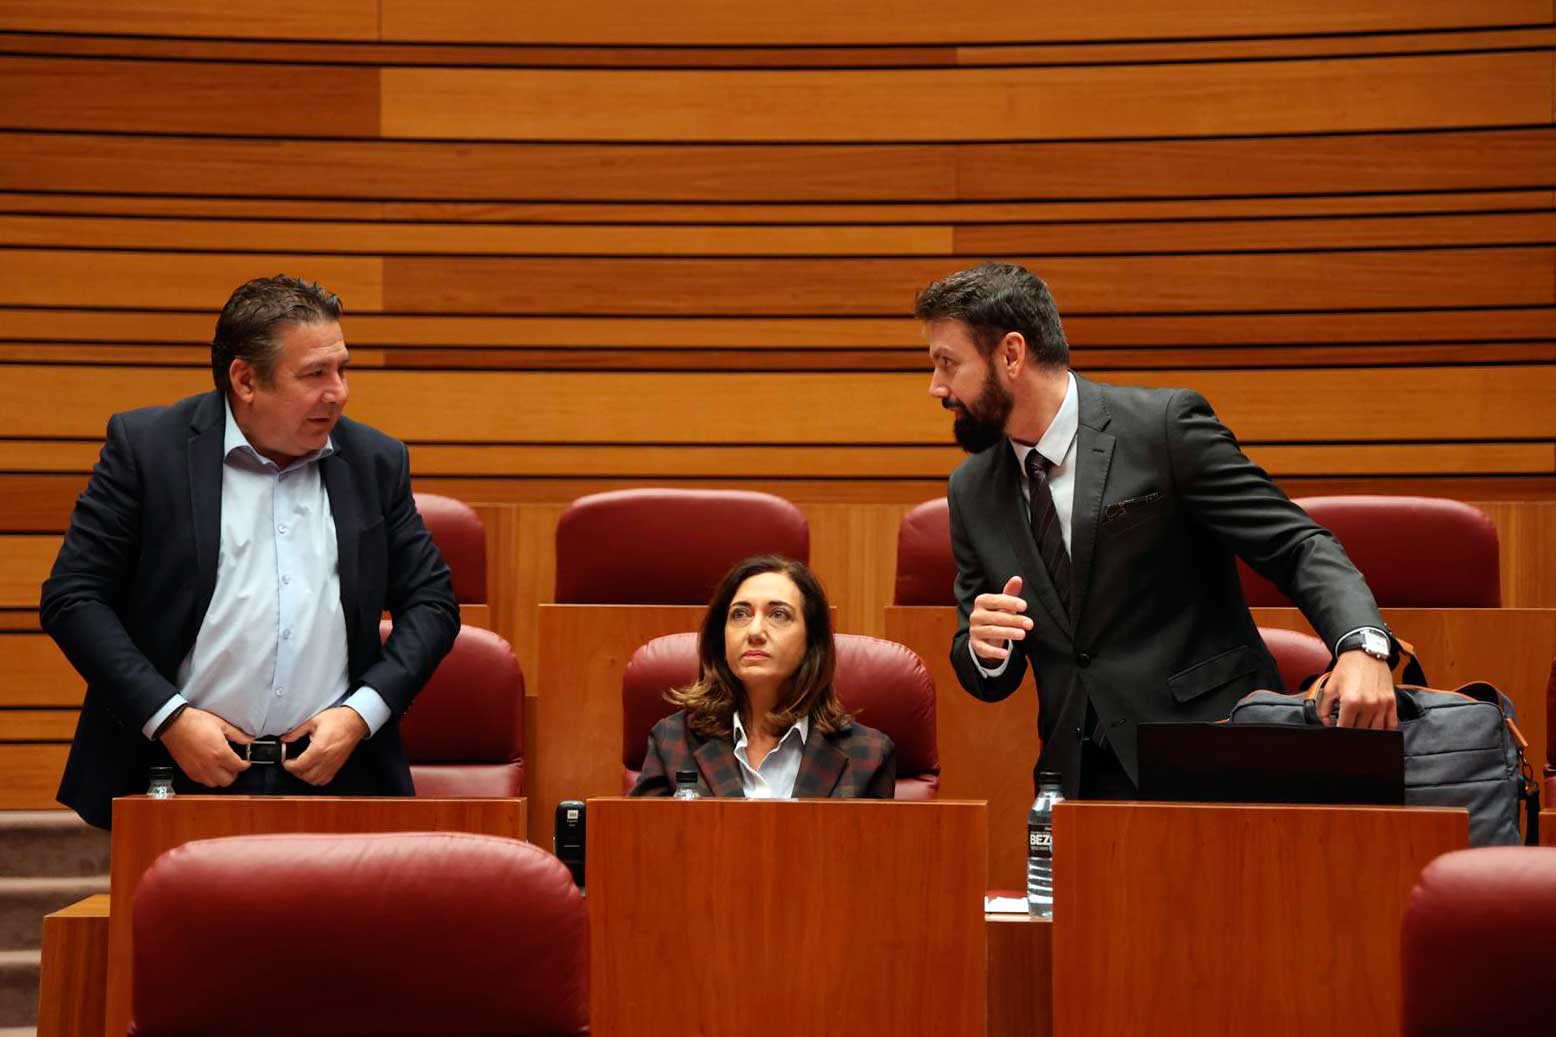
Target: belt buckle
268,751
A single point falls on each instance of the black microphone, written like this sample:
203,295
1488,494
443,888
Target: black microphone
568,841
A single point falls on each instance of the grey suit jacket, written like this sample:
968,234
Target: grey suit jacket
1159,629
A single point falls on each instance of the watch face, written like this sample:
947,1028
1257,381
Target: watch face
1374,643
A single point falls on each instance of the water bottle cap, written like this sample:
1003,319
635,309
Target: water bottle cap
162,772
1050,778
686,777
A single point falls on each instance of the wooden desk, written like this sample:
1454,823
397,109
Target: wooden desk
1021,984
73,988
1184,920
144,828
722,917
573,749
987,749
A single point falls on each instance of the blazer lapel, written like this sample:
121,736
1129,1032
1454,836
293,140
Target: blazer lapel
1093,456
346,514
821,765
1036,583
203,455
716,760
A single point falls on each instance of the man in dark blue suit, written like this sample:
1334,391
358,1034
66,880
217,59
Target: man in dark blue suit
221,582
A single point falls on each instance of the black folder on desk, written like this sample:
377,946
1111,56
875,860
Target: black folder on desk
1270,763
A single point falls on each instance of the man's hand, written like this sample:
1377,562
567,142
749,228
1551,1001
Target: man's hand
1365,687
198,744
334,733
997,618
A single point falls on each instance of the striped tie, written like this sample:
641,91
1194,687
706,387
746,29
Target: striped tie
1045,527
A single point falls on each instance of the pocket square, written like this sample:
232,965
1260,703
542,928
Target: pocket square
1118,509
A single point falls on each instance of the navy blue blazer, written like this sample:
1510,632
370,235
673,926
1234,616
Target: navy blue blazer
137,568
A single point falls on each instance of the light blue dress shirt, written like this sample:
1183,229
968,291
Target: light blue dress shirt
271,651
774,777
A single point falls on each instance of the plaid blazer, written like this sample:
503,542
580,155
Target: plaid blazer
856,762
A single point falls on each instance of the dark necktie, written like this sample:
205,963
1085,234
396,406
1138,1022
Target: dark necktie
1045,527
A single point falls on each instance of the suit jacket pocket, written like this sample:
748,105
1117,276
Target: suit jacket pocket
1212,673
1126,515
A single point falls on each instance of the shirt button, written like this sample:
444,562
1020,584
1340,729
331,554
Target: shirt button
280,692
286,635
281,529
286,580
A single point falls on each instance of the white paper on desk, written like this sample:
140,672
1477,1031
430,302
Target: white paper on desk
1004,905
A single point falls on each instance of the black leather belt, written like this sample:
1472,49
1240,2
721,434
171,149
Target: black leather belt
270,750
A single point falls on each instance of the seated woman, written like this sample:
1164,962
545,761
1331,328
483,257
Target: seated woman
763,721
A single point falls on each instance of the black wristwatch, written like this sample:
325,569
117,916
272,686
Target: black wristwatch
1376,643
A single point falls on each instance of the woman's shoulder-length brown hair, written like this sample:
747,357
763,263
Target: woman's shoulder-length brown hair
711,701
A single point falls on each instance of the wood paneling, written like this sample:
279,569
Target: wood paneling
1085,331
881,287
187,97
36,671
486,171
580,692
35,277
804,868
1351,404
1081,237
73,972
915,21
908,104
24,563
285,19
31,772
1527,537
719,215
37,725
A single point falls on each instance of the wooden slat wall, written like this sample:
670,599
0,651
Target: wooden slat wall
681,247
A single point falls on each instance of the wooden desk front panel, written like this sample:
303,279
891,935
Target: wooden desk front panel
1184,920
145,828
73,975
723,917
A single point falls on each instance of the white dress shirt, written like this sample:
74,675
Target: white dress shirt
271,651
774,777
1058,448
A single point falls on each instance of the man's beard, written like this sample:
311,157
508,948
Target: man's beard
981,423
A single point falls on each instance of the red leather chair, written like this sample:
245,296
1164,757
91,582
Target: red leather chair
461,539
1416,552
407,933
665,546
464,733
882,682
926,568
1476,945
1298,655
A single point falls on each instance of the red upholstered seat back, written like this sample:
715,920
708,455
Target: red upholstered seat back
1298,655
1476,946
464,733
883,683
926,569
1416,552
665,546
406,933
461,539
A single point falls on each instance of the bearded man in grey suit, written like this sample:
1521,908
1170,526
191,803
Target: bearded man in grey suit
1095,529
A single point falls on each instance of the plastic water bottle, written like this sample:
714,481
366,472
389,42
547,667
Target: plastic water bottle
686,785
1040,846
161,786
